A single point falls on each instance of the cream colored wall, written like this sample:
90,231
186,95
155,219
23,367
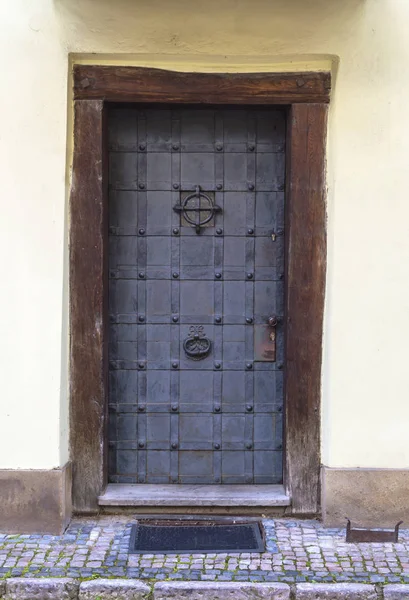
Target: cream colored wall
32,197
365,373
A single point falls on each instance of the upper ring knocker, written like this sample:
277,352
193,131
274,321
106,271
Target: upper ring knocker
194,205
197,345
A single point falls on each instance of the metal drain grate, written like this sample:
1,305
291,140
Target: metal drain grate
192,537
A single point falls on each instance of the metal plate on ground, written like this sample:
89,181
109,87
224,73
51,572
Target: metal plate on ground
360,535
193,537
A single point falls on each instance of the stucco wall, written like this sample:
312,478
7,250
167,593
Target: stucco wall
365,373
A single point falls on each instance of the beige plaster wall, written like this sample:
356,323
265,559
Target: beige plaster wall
365,42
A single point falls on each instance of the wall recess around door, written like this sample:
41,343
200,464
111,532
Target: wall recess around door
307,110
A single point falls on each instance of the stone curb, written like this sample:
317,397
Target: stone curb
23,588
197,590
335,591
396,592
114,589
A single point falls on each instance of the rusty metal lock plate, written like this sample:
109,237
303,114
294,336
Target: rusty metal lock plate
264,343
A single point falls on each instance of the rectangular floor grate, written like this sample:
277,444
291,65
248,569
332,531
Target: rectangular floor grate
187,537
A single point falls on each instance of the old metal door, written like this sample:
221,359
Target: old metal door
196,272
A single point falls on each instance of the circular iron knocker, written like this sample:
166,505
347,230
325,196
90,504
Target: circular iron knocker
197,346
202,204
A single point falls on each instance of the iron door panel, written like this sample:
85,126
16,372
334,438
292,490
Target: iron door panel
190,400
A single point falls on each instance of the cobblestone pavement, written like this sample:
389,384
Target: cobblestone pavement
297,551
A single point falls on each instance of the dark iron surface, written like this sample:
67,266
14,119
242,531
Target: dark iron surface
195,362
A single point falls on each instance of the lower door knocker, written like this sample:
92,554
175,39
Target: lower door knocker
197,346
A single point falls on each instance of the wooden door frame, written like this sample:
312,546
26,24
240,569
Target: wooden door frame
306,96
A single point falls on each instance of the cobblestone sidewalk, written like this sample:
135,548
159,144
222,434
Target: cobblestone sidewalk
297,551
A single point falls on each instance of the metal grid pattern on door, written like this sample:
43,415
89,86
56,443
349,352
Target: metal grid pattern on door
194,396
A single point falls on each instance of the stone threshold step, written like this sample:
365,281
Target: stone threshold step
126,494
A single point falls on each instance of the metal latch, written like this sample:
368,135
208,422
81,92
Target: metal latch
277,233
